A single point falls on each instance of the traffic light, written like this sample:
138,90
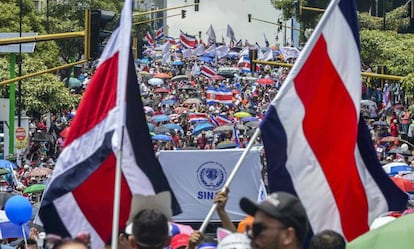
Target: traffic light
252,56
196,6
183,12
298,8
280,25
249,16
99,19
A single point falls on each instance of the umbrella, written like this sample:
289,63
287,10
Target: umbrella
389,139
162,130
265,81
397,234
205,59
155,81
162,76
42,171
248,119
160,118
400,151
168,102
202,127
150,126
161,137
177,63
4,196
7,164
10,230
161,90
253,124
74,83
192,101
180,110
366,102
217,77
226,145
35,188
404,184
173,126
223,129
242,114
380,122
396,168
179,77
143,73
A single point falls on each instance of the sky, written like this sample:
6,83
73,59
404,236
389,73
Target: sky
219,13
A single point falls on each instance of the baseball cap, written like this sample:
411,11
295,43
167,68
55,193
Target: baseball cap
235,241
284,207
179,240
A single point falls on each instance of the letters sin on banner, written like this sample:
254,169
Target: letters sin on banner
196,176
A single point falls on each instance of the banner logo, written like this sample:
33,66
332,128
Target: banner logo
211,175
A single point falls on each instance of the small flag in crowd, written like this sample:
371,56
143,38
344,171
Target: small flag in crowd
170,39
188,41
80,195
211,34
230,33
149,39
207,71
160,34
219,120
303,148
214,95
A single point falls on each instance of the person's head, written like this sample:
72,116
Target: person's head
150,230
280,221
31,244
123,239
327,239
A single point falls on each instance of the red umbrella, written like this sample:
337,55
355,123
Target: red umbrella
162,76
265,81
161,90
217,77
404,184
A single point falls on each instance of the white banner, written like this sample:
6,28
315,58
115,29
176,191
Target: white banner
196,176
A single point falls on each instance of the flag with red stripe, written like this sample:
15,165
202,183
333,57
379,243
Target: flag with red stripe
149,39
188,41
80,195
197,117
160,34
321,150
208,71
216,95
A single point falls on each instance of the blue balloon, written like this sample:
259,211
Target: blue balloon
18,210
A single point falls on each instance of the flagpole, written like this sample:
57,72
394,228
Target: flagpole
231,177
117,194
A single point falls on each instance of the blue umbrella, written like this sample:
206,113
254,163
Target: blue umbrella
206,59
168,102
248,119
150,126
173,126
177,63
202,127
160,118
6,164
161,137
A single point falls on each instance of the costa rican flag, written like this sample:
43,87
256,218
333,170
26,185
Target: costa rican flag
244,64
149,39
160,34
197,117
188,41
219,120
170,39
336,176
80,195
207,71
223,96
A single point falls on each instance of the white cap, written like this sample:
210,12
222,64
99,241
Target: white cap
235,241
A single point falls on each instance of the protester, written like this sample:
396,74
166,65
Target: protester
327,239
221,199
280,221
149,230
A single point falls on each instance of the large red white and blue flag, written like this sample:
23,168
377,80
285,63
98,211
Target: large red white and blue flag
80,195
320,149
218,95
